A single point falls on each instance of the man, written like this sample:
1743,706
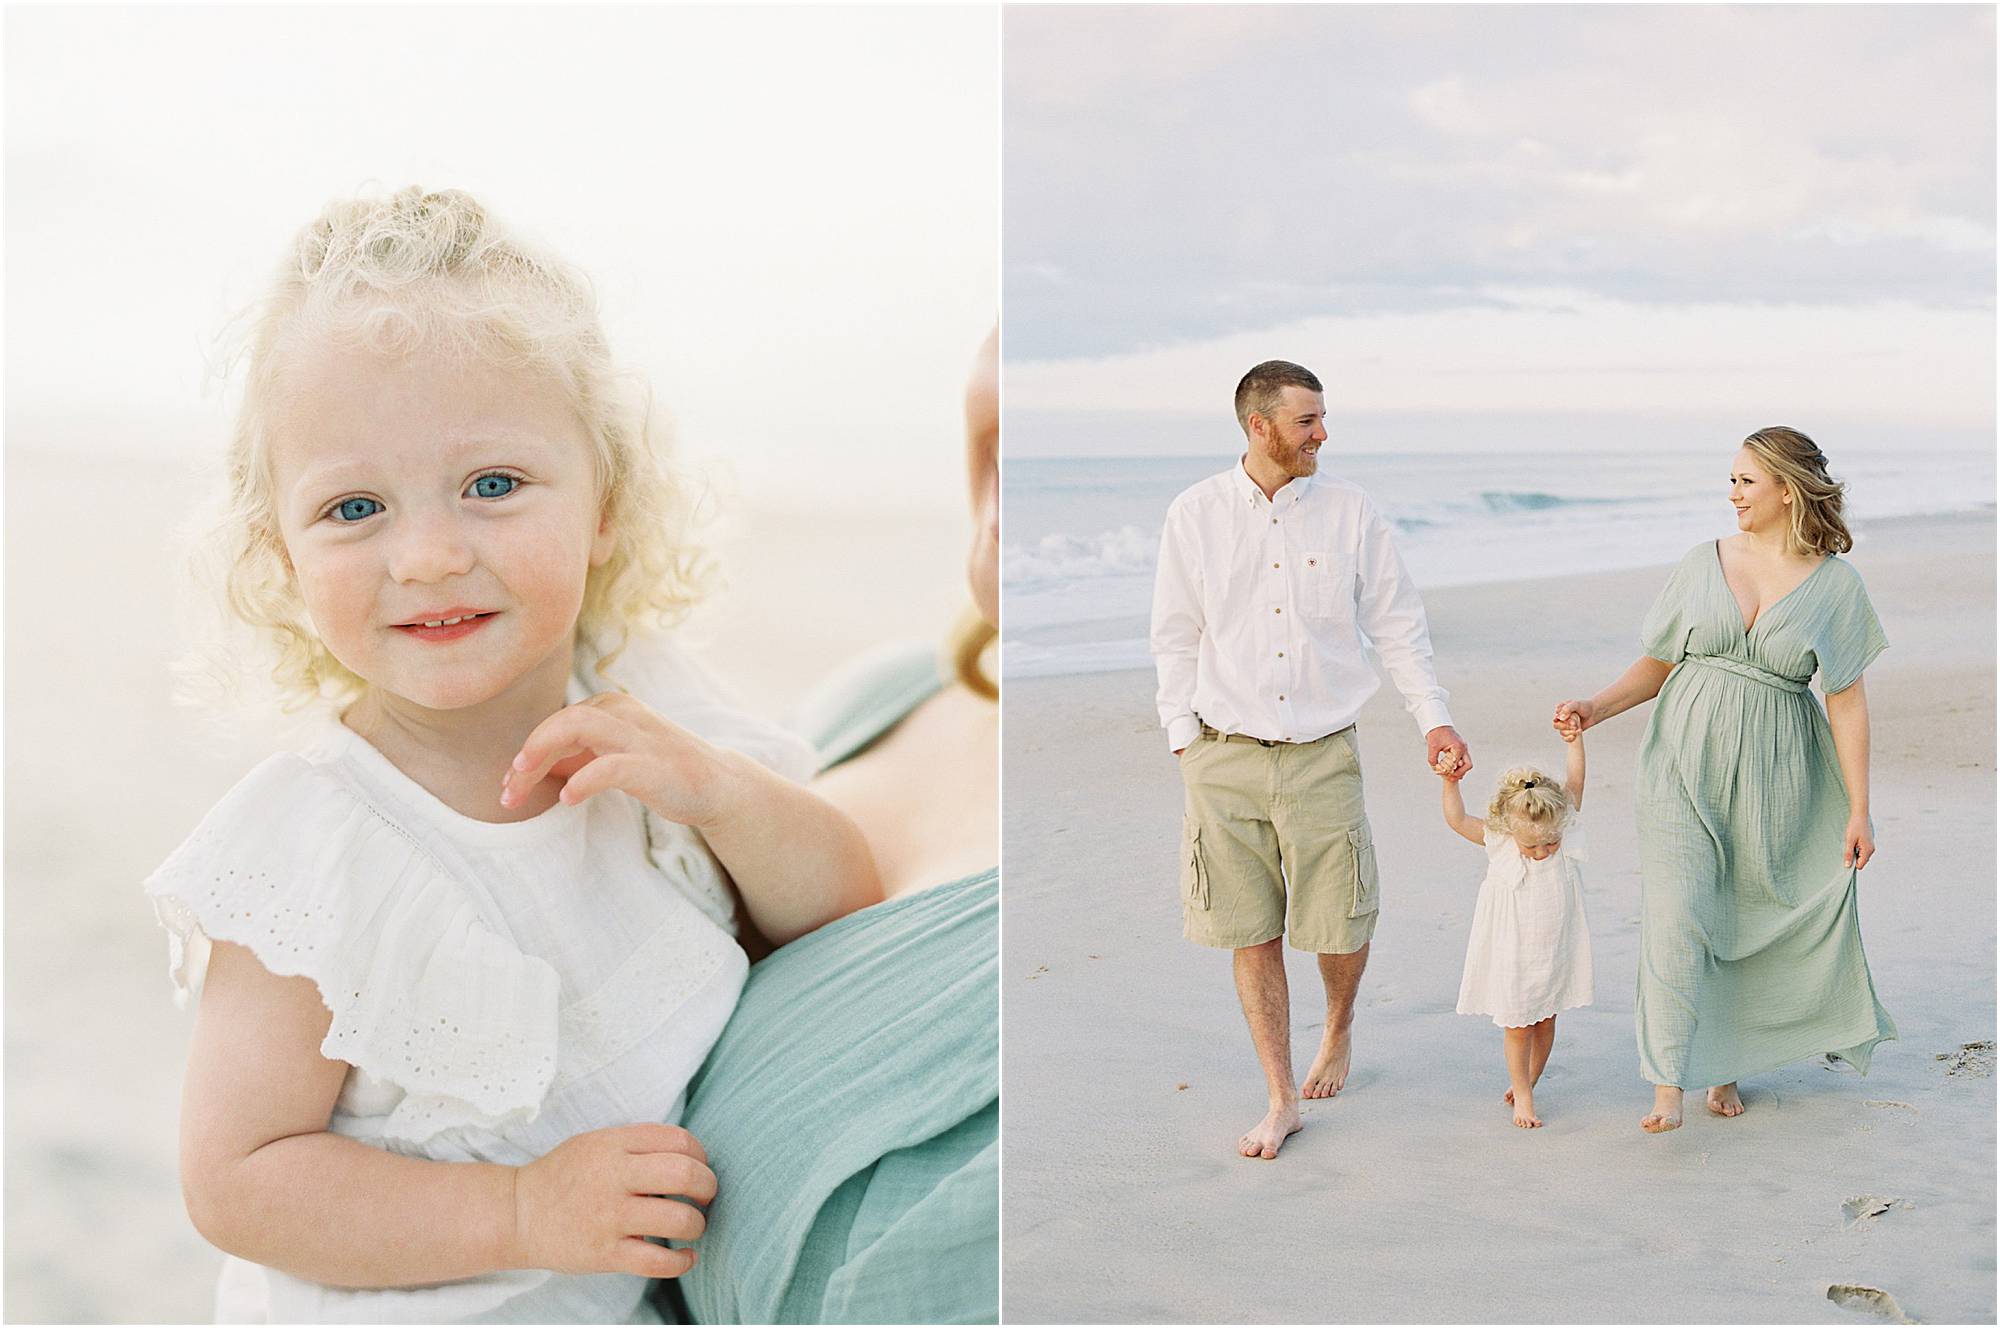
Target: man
1265,574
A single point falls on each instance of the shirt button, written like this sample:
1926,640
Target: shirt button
1274,567
1274,521
1281,654
1281,696
1277,610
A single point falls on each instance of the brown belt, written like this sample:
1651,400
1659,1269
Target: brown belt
1208,732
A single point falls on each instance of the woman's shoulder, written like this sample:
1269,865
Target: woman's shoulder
866,697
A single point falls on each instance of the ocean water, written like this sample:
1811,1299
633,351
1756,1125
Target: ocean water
1080,536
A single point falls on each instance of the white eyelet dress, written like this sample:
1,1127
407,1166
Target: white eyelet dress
496,988
1529,953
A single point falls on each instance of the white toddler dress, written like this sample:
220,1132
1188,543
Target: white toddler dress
496,988
1529,954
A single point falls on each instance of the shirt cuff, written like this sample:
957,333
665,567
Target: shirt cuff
1432,714
1182,732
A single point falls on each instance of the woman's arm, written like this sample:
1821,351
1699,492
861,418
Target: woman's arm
1454,812
263,1178
1636,686
1847,714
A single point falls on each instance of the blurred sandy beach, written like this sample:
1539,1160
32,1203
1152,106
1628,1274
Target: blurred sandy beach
105,776
1128,1072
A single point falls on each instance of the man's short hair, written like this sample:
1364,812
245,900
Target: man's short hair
1260,389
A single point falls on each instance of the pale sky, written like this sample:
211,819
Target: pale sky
1778,212
791,215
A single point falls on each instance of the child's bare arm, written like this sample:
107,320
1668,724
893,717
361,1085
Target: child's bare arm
264,1179
1454,813
797,860
1573,778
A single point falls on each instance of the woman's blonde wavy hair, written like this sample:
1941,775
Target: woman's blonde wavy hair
1795,461
1528,800
432,271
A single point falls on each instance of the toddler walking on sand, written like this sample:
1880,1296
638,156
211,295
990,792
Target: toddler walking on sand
1529,954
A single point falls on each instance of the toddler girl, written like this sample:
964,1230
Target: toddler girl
458,958
1529,955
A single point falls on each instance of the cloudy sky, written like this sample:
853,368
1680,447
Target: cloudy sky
791,215
1692,210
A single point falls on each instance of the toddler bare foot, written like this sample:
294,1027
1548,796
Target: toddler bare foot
1666,1113
1724,1100
1328,1074
1278,1125
1524,1110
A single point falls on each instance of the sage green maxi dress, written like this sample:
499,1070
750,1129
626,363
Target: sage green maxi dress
1750,930
852,1107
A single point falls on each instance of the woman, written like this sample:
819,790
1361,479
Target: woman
851,1108
1753,804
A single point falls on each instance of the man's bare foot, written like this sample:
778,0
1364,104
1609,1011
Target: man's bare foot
1723,1100
1524,1110
1666,1113
1328,1074
1278,1125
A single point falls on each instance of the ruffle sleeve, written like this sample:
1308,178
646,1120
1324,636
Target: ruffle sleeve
427,991
1849,635
1663,634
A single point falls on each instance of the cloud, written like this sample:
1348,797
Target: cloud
1238,168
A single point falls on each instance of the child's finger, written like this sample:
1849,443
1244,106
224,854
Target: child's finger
678,1174
573,731
641,1258
616,771
669,1219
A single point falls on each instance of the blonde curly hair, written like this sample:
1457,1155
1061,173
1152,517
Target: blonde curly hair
1531,802
432,271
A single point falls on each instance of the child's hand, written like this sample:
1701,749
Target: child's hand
588,1204
1572,718
615,741
1450,766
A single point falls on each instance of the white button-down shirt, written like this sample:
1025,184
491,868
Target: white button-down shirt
1258,607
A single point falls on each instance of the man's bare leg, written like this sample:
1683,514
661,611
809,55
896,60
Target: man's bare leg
1267,1005
1342,975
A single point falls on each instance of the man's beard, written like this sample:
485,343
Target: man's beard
1301,462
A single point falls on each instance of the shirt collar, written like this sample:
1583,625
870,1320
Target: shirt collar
1290,492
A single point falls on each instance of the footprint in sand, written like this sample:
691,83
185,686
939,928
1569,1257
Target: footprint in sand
1971,1060
1871,1301
1867,1207
1887,1104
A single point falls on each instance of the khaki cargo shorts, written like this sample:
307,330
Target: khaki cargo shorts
1267,822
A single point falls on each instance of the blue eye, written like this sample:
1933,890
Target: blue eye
355,509
494,486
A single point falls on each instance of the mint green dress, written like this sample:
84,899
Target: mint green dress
1750,929
851,1109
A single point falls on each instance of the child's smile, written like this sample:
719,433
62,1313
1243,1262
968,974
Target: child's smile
441,519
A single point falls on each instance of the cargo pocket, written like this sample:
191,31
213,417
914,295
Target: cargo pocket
1361,842
1194,872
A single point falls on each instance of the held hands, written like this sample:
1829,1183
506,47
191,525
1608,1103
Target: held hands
588,1204
1572,718
1859,843
1448,756
614,741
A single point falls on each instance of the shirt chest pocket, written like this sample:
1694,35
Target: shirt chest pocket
1325,585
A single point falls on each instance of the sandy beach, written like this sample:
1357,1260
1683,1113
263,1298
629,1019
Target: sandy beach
1128,1072
105,776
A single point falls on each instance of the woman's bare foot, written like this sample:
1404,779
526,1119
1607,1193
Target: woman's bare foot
1723,1100
1278,1125
1666,1113
1524,1110
1328,1074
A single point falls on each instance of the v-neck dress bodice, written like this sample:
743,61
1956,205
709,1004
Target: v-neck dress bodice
1750,930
